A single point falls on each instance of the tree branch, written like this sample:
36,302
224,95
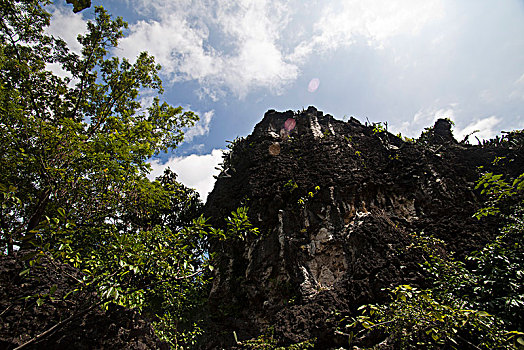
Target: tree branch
60,324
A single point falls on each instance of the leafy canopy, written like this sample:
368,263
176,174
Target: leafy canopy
76,145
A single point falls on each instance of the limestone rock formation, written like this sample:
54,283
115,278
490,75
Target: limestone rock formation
335,202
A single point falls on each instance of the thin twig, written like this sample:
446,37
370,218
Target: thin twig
3,312
188,276
469,343
59,325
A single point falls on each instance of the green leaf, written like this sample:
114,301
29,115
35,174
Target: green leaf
52,290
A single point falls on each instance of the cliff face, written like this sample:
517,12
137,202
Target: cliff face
335,203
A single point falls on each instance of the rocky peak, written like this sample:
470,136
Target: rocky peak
335,202
281,125
441,132
442,129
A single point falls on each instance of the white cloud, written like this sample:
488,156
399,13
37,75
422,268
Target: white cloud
520,80
67,25
195,171
518,91
344,22
431,114
176,45
485,126
56,69
487,96
201,128
426,117
242,45
242,55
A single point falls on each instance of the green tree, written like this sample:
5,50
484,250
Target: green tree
73,166
75,146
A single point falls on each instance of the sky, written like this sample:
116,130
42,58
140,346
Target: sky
404,62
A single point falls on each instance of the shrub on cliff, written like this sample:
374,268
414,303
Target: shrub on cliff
477,303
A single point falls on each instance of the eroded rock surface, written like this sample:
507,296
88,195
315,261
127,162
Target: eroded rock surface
335,202
75,322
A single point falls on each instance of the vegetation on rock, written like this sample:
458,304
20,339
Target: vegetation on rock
352,243
475,303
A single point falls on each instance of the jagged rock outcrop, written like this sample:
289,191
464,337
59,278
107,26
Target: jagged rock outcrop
55,322
335,202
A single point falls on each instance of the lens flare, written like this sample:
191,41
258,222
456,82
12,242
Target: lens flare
274,149
290,124
313,85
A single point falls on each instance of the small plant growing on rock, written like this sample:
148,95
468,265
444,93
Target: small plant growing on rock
393,156
238,226
473,305
290,186
379,128
311,194
420,319
226,168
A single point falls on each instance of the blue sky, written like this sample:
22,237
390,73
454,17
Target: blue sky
407,62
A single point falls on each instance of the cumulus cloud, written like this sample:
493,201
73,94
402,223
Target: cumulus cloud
195,171
431,114
242,45
484,127
67,25
201,128
426,117
518,89
243,54
342,23
176,45
520,80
